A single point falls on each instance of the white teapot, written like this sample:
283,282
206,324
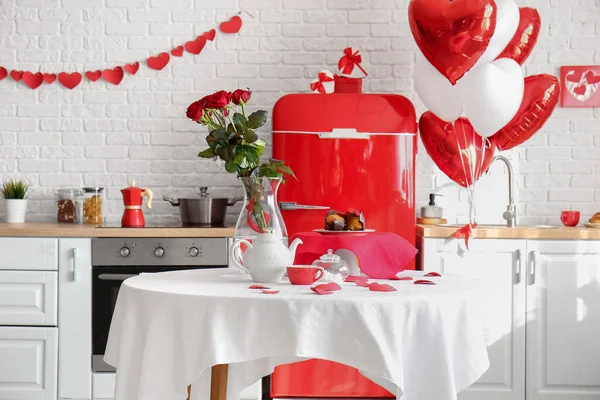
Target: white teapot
266,259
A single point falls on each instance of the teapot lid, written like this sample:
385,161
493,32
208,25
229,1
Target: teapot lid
330,257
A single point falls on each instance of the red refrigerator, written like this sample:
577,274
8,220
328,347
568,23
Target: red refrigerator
349,151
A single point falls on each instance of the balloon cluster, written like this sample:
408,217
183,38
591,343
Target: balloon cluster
469,76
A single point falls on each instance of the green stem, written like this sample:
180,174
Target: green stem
243,109
231,120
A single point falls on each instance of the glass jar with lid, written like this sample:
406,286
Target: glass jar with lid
335,267
93,199
69,206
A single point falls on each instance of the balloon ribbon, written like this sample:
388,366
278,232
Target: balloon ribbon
466,232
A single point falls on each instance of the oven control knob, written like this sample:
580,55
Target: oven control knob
194,251
159,252
124,252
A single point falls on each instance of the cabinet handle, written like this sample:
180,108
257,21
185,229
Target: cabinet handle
534,260
518,272
75,265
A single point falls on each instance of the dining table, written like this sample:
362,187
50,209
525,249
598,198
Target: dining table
210,333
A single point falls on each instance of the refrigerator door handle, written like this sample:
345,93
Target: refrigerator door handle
344,133
292,205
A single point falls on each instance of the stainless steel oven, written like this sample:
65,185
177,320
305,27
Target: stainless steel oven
114,260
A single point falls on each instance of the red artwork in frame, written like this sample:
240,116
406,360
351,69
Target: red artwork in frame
580,86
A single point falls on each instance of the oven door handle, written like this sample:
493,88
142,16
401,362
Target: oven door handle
115,277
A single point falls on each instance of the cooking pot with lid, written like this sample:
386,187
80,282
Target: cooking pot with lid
204,210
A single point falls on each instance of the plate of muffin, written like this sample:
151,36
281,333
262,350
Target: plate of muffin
594,221
348,223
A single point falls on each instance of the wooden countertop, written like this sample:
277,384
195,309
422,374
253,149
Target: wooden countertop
524,232
83,230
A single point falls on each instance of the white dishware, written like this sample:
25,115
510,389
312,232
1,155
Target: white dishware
595,225
15,210
265,259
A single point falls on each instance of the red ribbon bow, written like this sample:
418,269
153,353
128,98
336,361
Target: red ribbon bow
466,232
349,60
318,86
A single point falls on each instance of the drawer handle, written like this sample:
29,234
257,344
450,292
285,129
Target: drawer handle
75,275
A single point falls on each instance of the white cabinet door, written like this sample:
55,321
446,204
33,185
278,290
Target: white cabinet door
28,298
75,319
563,320
496,264
28,363
28,253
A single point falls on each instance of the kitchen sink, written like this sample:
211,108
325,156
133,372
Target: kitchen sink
498,226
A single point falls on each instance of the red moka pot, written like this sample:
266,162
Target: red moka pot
133,217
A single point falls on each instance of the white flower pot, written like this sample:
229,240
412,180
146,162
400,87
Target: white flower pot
14,210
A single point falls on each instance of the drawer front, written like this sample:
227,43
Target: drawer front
29,253
31,373
28,298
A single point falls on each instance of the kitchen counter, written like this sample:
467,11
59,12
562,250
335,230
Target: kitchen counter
83,230
524,232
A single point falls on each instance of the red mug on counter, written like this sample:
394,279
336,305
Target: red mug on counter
304,274
570,218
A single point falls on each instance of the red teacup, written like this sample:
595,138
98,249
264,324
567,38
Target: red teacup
570,218
304,274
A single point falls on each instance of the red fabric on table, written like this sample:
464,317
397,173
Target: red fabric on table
380,254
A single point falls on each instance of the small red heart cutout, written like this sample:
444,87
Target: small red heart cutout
16,75
114,76
321,291
158,62
430,274
49,78
331,287
93,75
210,35
69,80
580,90
401,278
423,282
33,80
232,26
381,287
177,51
196,46
259,287
592,78
267,291
362,283
3,73
354,278
132,68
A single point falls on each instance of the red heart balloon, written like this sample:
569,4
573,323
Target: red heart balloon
114,76
93,75
3,73
521,45
16,75
541,96
177,51
33,80
452,35
455,148
132,68
232,26
196,46
210,35
158,62
49,78
69,80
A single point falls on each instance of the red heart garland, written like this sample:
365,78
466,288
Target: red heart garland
210,35
93,75
132,68
16,75
528,30
158,62
452,34
456,148
232,26
177,51
33,80
3,73
114,76
196,46
69,80
49,78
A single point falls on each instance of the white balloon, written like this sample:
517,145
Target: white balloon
491,95
436,92
507,22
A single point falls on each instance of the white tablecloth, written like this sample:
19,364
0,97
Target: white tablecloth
168,330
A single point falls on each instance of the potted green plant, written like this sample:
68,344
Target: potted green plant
232,138
15,200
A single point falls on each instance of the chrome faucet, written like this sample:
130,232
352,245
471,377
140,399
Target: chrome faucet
510,215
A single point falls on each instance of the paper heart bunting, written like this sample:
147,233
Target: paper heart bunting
69,80
49,78
195,46
232,26
159,62
3,73
177,51
114,76
132,68
210,35
93,75
33,80
16,75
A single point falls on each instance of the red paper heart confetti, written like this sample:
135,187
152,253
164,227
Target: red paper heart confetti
69,80
158,62
381,287
33,80
16,75
177,51
362,283
354,278
195,46
331,286
210,35
3,73
423,282
93,75
268,291
321,291
114,76
259,287
49,78
401,278
132,68
430,274
232,26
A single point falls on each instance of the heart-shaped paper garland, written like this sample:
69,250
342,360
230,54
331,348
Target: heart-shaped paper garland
195,46
177,51
114,76
3,73
49,78
69,80
132,68
93,75
158,62
33,80
16,75
232,26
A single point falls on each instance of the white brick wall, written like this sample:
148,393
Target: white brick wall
102,134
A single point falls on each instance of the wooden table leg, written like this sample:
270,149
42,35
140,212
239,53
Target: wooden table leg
218,382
